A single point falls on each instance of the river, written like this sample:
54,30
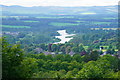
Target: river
64,37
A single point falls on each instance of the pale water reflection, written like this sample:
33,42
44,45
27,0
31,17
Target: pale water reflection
64,37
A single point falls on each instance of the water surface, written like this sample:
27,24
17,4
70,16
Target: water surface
64,36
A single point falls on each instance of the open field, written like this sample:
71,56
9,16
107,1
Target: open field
10,26
101,23
31,21
55,17
62,24
110,18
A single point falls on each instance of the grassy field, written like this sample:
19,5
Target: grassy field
101,23
103,50
62,24
80,21
9,26
31,21
55,17
85,47
110,18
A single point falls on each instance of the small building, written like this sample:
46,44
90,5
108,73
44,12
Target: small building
60,52
101,48
104,53
71,53
118,54
47,53
49,47
38,50
83,53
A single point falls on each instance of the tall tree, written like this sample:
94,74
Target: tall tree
12,56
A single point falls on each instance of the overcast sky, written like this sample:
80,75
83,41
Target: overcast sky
30,3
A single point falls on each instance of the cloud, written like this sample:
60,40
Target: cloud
60,2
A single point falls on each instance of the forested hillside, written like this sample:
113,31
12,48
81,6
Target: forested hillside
16,64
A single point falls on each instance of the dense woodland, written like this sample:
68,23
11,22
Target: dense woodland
17,64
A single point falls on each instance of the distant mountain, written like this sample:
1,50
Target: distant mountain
56,10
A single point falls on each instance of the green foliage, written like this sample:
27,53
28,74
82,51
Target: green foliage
75,49
91,65
94,55
114,64
81,48
12,56
77,57
94,69
28,67
54,47
90,70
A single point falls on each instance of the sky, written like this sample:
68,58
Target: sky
70,3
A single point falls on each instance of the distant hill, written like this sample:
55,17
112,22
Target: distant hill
56,10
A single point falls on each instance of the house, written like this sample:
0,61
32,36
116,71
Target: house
71,53
11,33
38,50
83,53
118,54
60,52
49,47
97,41
47,53
101,48
104,53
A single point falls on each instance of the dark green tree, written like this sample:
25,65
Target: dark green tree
12,56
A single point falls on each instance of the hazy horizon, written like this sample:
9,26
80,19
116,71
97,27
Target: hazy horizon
54,6
62,3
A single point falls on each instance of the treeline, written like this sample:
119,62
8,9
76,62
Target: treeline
89,41
30,37
18,64
97,37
